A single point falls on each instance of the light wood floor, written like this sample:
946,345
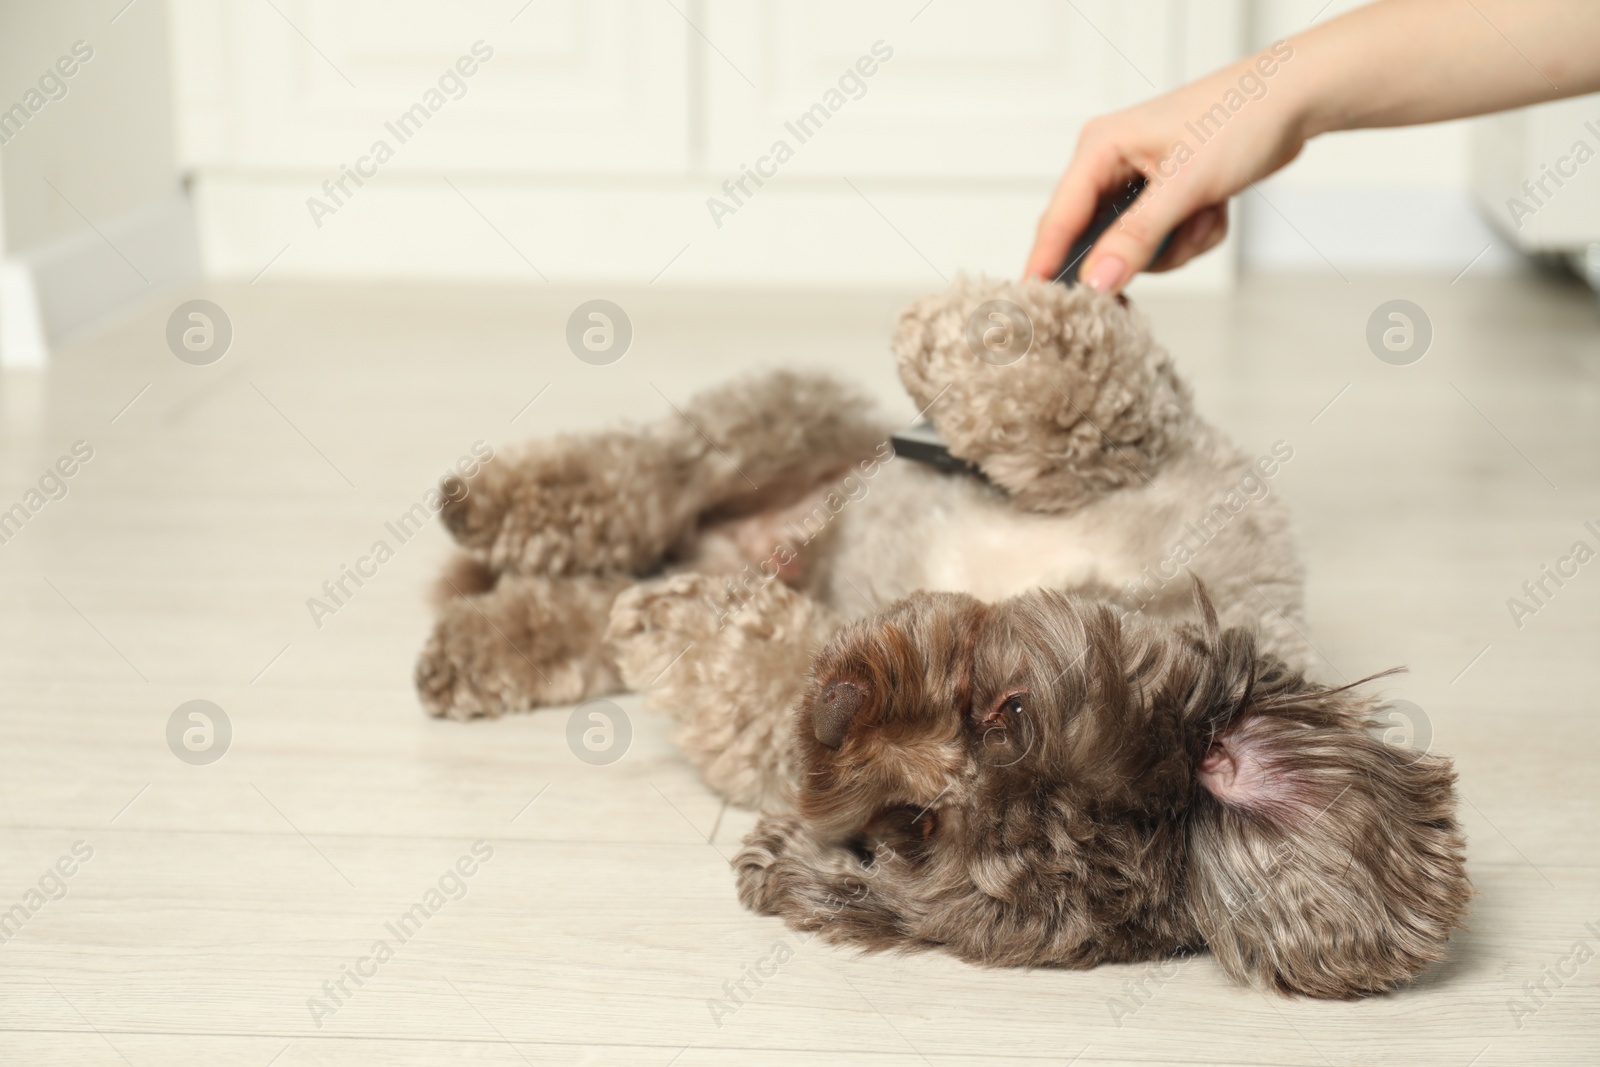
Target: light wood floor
219,899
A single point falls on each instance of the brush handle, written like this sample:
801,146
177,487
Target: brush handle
923,444
1111,208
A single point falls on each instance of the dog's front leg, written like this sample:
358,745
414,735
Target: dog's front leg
727,658
822,888
1078,401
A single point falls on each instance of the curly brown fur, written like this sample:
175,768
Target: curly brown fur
567,524
1036,782
1094,404
720,665
1050,763
612,502
621,501
463,576
530,640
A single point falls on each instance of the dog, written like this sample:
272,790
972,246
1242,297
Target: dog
1057,711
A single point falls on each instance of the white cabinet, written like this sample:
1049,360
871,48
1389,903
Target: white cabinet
1536,174
558,86
972,89
923,136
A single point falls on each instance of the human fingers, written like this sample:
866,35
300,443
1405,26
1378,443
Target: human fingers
1132,242
1096,169
1195,236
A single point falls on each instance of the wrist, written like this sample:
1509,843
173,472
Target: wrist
1306,103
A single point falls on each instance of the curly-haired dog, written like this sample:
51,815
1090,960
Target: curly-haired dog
990,714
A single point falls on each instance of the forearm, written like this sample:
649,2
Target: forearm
1391,63
1401,62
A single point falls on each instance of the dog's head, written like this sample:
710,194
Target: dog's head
1040,781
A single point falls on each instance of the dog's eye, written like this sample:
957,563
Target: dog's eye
1000,716
1003,732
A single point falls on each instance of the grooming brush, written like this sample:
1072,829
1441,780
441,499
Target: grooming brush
923,444
1111,209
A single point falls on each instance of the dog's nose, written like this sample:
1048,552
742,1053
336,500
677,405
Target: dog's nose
835,710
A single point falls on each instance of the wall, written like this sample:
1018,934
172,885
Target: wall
93,213
591,147
1397,199
589,150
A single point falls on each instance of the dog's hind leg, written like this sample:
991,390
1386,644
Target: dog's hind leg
730,666
619,502
528,641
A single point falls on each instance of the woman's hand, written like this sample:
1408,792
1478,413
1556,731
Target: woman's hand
1391,63
1196,146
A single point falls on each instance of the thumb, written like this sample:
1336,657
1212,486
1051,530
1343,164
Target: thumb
1096,169
1131,244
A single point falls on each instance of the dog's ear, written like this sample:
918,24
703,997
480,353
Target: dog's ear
1323,861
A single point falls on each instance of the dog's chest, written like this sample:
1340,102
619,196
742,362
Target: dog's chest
994,554
919,529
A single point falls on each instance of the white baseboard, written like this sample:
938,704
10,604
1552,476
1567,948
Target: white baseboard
71,286
805,233
1349,231
798,232
802,232
22,340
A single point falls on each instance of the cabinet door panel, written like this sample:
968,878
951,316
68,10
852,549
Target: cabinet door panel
572,86
972,89
1535,175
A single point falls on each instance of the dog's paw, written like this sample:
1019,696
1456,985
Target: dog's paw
530,642
1089,404
812,886
478,680
756,865
654,624
753,620
447,688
